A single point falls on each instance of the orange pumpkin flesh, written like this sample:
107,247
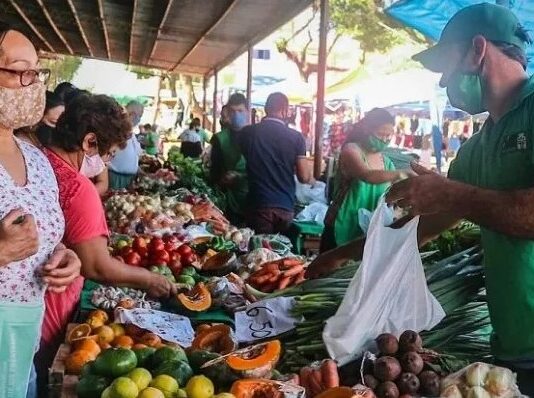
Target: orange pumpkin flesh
255,388
266,355
197,299
217,338
337,392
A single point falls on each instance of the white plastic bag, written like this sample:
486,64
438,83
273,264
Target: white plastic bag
388,293
307,193
313,212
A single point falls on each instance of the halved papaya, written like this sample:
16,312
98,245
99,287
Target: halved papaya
197,299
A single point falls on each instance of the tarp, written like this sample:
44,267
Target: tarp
430,16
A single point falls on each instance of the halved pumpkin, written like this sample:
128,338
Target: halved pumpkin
256,388
217,338
220,264
197,299
337,392
258,362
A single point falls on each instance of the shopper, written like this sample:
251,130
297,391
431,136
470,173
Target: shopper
481,55
89,133
32,258
124,166
191,141
151,140
362,177
273,153
228,166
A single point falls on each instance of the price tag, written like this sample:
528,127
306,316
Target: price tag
170,327
265,319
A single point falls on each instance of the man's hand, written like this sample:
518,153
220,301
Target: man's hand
426,193
160,287
62,269
18,237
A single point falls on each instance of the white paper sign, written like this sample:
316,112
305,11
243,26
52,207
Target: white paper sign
171,327
265,319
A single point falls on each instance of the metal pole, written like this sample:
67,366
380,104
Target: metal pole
318,155
249,78
204,100
214,126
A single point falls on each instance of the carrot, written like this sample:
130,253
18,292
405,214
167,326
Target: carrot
272,266
304,374
260,280
315,382
284,282
290,262
268,287
294,271
274,277
300,278
330,374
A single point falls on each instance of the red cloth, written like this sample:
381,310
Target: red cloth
84,220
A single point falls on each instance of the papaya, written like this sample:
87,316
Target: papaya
115,362
91,386
178,370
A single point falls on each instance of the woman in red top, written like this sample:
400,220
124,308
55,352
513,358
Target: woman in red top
92,128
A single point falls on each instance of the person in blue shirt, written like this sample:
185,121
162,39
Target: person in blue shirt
273,153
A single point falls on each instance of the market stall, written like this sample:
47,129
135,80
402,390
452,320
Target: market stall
246,322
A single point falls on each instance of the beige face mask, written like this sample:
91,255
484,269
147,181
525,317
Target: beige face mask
21,107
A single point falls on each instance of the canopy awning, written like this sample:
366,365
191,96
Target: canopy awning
430,16
189,36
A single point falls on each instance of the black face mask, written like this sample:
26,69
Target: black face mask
44,134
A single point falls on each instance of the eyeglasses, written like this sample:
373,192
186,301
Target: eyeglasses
30,76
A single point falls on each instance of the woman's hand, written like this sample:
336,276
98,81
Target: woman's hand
62,269
160,287
18,237
324,264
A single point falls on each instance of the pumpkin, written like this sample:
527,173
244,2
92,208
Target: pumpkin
217,339
196,300
220,264
256,388
115,362
257,362
77,360
337,392
178,370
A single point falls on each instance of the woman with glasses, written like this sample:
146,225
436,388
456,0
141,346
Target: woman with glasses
88,134
32,258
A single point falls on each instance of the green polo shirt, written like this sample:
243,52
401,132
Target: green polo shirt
501,157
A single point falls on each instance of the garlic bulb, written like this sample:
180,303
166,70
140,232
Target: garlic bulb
500,380
476,374
451,391
478,392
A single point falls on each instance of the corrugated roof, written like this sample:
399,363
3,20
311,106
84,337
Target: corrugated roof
190,36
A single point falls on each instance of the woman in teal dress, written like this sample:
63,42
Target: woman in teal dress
363,175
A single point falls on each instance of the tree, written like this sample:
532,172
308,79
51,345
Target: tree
62,68
362,20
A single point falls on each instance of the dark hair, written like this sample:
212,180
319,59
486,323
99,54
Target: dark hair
134,103
276,102
147,126
52,100
372,120
64,91
513,52
98,114
237,99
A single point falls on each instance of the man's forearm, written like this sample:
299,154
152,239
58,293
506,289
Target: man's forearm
510,213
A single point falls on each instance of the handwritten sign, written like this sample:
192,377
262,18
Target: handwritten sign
265,319
170,327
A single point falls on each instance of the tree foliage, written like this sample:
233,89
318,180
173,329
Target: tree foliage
62,68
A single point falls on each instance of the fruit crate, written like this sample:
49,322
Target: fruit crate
61,385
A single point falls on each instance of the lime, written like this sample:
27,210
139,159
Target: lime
199,387
123,387
166,384
141,377
151,392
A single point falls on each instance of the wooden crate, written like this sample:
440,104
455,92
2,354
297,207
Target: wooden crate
61,385
311,245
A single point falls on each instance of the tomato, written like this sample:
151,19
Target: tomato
160,257
143,252
170,238
189,259
156,245
126,251
171,246
184,250
139,243
133,258
174,256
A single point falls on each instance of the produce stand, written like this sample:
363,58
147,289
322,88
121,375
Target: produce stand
245,318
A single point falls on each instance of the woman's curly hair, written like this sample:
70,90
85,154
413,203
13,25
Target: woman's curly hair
98,114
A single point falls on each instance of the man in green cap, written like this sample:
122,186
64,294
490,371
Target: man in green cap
481,56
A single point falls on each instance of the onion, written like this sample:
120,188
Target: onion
478,392
475,374
500,380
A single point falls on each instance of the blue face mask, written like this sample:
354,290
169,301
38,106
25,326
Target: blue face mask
239,120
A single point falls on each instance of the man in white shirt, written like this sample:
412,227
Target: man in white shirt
125,164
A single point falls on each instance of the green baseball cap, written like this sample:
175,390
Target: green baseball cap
494,22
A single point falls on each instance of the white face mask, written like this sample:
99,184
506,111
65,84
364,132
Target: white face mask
21,107
92,166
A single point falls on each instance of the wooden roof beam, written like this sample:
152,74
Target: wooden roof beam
160,27
205,34
21,13
80,27
54,26
104,27
134,11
